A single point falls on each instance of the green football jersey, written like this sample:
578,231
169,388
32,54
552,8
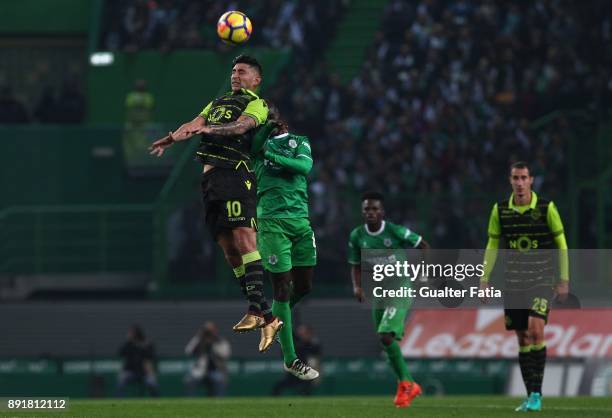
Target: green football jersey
282,189
389,237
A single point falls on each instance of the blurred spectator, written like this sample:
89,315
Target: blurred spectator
138,356
210,369
191,249
66,108
139,104
45,111
139,128
308,348
12,111
70,104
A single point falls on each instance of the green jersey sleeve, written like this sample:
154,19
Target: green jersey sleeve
494,225
205,111
303,149
490,255
556,227
296,165
554,220
258,110
354,250
300,164
408,238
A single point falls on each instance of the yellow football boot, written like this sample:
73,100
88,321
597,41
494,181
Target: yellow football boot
249,322
268,334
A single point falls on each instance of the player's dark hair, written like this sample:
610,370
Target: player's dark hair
274,116
273,112
373,196
246,59
520,165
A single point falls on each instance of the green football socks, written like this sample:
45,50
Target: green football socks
283,311
394,354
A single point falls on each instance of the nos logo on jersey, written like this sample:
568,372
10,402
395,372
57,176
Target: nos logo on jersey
387,242
219,113
524,244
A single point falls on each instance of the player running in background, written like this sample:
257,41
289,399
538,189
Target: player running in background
377,233
284,238
228,184
528,223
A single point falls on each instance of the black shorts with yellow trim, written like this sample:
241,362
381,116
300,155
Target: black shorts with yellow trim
229,196
536,302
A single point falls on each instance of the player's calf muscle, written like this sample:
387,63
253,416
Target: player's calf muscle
302,280
280,281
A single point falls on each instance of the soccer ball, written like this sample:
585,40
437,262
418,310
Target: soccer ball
234,27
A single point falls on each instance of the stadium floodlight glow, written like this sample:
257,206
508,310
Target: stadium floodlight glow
101,58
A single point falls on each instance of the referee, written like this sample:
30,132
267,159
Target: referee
526,223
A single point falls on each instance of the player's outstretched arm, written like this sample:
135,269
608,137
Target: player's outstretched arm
189,129
185,131
158,147
238,127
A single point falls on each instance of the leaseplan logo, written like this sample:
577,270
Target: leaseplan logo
465,333
481,333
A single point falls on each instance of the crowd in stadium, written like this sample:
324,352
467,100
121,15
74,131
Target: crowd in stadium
175,24
444,102
66,104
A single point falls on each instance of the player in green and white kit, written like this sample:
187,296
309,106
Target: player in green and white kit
285,239
377,233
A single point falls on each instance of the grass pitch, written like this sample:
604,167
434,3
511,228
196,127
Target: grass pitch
361,407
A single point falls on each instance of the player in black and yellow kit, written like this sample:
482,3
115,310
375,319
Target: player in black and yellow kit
227,125
529,228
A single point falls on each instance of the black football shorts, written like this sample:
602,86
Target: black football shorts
534,302
230,198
